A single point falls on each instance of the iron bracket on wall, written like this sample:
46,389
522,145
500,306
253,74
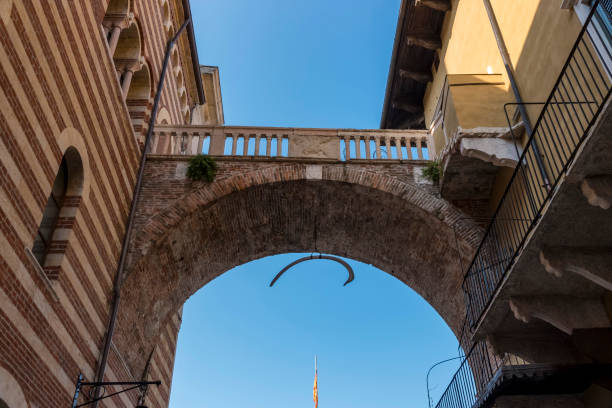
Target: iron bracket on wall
142,385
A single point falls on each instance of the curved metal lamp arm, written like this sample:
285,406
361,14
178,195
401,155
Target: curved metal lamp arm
308,258
429,371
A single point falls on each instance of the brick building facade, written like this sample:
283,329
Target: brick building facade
77,85
78,81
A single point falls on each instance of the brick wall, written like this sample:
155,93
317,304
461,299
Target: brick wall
59,89
187,233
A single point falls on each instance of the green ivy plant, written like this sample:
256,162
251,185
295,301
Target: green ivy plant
432,171
202,167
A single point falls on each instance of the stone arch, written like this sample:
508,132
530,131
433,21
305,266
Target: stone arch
117,8
11,394
174,57
138,98
129,45
140,87
76,175
179,79
116,18
182,92
163,117
166,17
59,214
70,141
5,8
363,215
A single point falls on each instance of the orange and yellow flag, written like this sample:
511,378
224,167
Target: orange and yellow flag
315,389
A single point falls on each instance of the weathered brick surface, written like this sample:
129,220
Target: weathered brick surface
187,233
59,88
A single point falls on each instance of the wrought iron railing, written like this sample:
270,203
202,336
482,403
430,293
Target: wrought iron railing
580,92
473,376
578,95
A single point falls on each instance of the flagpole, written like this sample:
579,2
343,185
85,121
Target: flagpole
315,391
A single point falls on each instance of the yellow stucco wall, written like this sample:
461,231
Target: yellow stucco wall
538,35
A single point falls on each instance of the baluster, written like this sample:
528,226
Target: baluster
234,143
185,139
191,138
200,145
357,147
367,146
274,141
153,144
388,147
409,148
176,146
377,141
347,147
245,147
257,138
419,151
268,145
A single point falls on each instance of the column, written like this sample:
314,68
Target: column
114,39
126,81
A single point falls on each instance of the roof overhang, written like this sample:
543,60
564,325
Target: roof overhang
194,53
417,38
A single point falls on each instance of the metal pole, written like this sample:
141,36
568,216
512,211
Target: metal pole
503,51
120,270
77,390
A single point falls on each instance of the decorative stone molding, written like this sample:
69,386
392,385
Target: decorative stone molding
566,313
590,263
454,146
598,191
499,152
535,346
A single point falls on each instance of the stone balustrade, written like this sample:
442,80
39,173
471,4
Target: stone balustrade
335,144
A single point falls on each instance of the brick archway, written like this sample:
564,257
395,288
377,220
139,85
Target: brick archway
189,233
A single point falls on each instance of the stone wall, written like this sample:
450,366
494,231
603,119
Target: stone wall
187,233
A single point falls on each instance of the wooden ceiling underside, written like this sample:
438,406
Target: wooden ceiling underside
416,43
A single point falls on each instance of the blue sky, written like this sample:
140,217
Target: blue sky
246,345
317,63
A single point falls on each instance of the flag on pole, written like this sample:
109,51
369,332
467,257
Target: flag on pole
315,389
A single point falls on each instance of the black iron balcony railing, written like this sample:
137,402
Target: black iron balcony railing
469,384
580,92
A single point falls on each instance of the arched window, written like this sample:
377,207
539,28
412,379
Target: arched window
127,56
138,97
11,394
115,19
59,213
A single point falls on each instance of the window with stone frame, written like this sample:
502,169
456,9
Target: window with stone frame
42,242
59,214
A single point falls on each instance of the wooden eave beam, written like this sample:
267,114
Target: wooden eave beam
430,42
415,75
406,106
411,121
440,5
